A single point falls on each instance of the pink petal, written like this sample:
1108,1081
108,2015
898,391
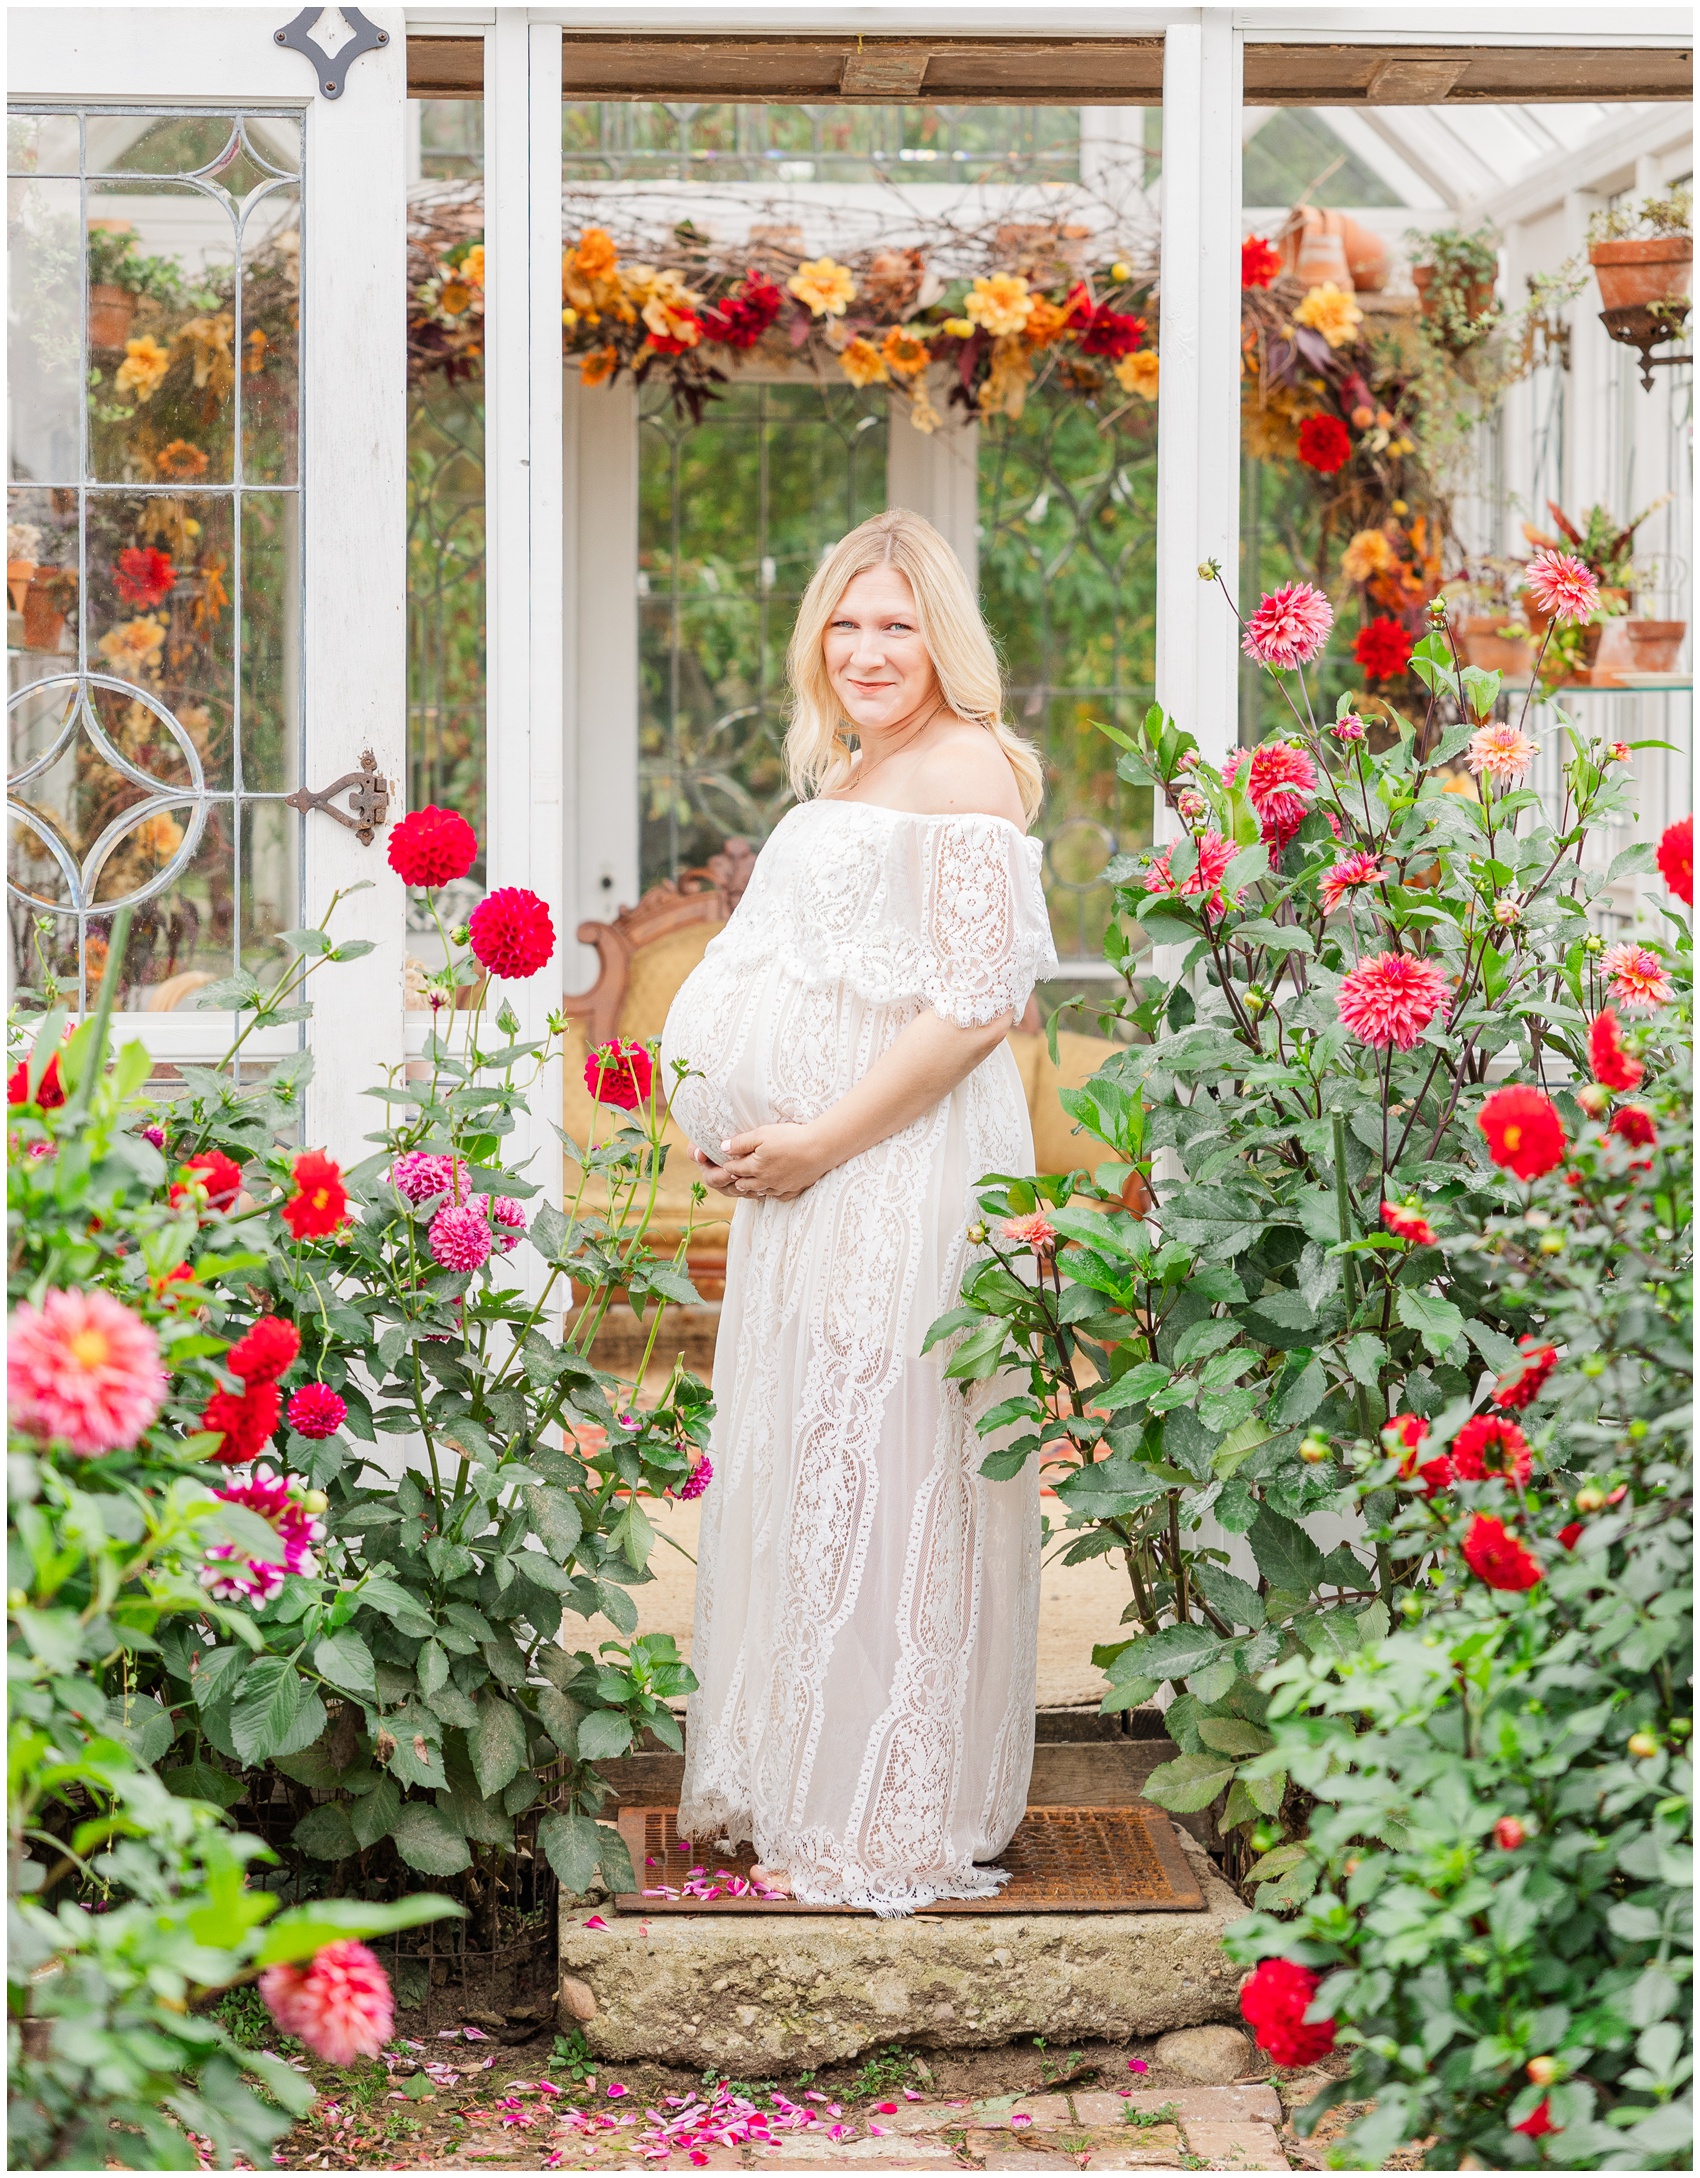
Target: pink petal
595,1921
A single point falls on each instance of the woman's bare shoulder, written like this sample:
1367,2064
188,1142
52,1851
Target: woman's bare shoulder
965,774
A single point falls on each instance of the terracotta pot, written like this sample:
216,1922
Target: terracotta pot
1366,255
1484,646
19,575
1640,646
1658,268
1476,296
1539,618
1317,246
44,623
112,312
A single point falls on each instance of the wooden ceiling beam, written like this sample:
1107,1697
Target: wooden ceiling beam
1058,71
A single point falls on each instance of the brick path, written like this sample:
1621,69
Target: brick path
1214,2128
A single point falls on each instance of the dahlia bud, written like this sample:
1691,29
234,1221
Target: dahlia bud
1314,1450
1594,944
1508,1833
1508,911
1209,570
1187,760
1542,2070
1437,610
1353,1864
1190,803
1256,998
977,1233
1643,1744
1551,1243
461,934
1636,1431
315,1502
1594,1365
1617,752
1594,1100
1590,1500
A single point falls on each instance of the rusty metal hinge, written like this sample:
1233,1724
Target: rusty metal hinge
370,800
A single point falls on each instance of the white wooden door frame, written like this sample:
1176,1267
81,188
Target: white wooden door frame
353,396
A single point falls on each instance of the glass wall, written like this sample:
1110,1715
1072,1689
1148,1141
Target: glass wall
642,141
154,574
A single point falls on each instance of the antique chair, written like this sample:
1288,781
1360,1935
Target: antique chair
646,953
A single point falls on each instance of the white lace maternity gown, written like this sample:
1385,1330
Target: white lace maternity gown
867,1604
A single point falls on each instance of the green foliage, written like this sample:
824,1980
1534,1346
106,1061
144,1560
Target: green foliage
1217,1356
1479,1973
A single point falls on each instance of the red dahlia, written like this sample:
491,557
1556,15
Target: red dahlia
49,1091
247,1419
1538,2121
262,1354
1676,858
1111,333
1613,1066
316,1411
1408,1224
432,847
741,318
1517,1387
1274,2003
320,1201
512,935
619,1074
1495,1556
144,576
1325,444
1523,1131
1633,1123
1259,263
1487,1445
1508,1833
221,1176
1383,648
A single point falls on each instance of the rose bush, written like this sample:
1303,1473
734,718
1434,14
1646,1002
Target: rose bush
1496,1881
1369,923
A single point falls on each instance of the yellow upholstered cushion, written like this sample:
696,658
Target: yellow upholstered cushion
1057,1147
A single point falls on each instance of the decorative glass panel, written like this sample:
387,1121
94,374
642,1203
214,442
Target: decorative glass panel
1068,580
734,514
153,546
634,140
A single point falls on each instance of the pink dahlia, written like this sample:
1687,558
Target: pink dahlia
698,1480
1349,728
507,1220
82,1370
1034,1231
1205,876
1289,626
230,1574
339,2003
1391,998
1347,874
1562,586
1231,769
460,1237
316,1411
1500,749
1637,977
419,1174
1280,777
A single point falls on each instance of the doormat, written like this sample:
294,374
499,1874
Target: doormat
1061,1860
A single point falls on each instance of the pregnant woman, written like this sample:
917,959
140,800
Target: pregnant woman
867,1603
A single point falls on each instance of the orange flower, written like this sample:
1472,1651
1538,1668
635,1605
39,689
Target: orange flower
179,459
904,352
599,366
1046,322
595,257
861,362
255,360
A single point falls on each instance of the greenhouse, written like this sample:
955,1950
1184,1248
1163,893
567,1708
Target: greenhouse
996,1479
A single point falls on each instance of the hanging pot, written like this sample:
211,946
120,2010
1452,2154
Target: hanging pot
112,312
1656,269
1476,296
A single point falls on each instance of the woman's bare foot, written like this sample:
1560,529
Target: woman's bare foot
776,1880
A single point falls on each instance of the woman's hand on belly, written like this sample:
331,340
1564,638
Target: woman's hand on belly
782,1160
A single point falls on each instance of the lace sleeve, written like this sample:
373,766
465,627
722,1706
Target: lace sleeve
988,935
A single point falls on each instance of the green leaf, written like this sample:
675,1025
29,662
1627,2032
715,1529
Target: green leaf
1174,1652
200,1781
1366,1357
374,1813
1285,1554
559,1716
603,1734
1301,1398
572,1848
497,1743
427,1840
1437,1322
1228,1596
1232,1736
1250,864
264,1710
1213,1218
433,1668
302,1930
555,1519
345,1660
326,1833
1189,1783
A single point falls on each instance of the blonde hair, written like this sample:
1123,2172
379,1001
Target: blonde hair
817,744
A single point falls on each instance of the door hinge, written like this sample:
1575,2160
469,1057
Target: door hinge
370,800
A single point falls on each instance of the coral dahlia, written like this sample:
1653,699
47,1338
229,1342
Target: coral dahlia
320,1201
1523,1131
1500,749
82,1370
1676,858
1494,1554
1637,977
460,1237
1564,588
1349,872
339,2004
1034,1231
619,1074
1205,876
316,1411
1289,626
1391,998
264,1351
1517,1387
1487,1445
432,847
512,935
1614,1068
1273,2004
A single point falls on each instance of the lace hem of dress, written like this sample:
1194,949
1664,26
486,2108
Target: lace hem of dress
819,1879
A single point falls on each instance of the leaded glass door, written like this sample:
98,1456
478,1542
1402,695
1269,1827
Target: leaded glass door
204,544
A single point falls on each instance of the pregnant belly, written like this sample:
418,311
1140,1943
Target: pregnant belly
702,1033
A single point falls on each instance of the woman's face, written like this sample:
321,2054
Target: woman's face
878,664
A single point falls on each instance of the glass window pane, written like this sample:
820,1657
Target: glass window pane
42,143
43,222
271,312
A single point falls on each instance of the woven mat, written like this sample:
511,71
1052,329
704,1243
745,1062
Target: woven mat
1061,1860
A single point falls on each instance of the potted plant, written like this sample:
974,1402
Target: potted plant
1614,643
1493,630
1455,275
1643,256
119,276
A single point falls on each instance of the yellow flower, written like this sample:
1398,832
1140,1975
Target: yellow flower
959,328
904,352
1137,373
472,265
134,645
599,366
1330,311
1369,553
455,297
862,363
670,309
145,364
1002,302
594,259
825,285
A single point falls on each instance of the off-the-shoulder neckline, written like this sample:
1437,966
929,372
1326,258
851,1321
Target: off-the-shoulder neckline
918,816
